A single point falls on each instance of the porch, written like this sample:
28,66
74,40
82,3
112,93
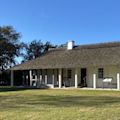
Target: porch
89,77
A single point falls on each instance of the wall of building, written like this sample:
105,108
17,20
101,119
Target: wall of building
65,80
68,81
49,76
109,71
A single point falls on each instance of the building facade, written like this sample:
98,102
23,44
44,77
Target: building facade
93,66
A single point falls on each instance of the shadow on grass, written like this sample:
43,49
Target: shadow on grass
11,89
47,101
68,101
21,88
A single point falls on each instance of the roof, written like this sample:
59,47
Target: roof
101,54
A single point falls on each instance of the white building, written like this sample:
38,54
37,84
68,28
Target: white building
92,66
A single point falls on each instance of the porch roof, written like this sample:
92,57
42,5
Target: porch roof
102,54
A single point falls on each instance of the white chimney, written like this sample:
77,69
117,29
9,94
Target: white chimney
70,45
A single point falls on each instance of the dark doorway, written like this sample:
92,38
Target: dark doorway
21,78
26,78
18,78
83,77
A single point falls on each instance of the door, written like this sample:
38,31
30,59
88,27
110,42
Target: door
83,77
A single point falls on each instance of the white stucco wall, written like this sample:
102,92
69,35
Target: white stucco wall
72,80
68,82
43,76
49,76
109,71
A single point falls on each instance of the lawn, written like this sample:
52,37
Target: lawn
59,105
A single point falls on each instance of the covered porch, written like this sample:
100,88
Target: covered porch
90,77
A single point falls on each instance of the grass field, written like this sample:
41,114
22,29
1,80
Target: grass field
59,105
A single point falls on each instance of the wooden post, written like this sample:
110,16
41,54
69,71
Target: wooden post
60,78
118,81
41,76
12,78
30,73
94,81
53,79
76,78
46,76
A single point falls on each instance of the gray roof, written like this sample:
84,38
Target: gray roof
102,54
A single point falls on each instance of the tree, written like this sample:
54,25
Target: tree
9,46
33,50
47,46
36,48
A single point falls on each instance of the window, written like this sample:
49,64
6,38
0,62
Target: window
100,73
69,74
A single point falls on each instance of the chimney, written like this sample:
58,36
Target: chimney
70,45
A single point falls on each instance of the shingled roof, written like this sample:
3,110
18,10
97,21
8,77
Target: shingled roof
102,54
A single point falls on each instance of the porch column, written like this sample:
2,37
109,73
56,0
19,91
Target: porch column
23,79
30,74
40,76
76,78
12,79
46,77
27,77
37,78
60,78
118,81
94,81
53,79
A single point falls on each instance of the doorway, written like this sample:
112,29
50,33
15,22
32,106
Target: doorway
83,77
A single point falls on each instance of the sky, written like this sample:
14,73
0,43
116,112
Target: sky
57,21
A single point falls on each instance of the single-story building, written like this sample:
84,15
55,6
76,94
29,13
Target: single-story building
92,66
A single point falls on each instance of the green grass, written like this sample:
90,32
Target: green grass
59,105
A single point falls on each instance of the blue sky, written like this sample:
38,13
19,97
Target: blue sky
57,21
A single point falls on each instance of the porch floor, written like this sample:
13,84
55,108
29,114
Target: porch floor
86,88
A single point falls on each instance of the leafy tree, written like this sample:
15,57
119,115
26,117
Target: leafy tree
36,48
33,50
47,46
9,46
